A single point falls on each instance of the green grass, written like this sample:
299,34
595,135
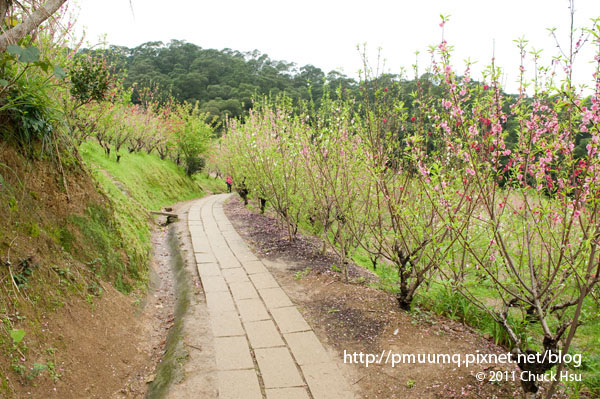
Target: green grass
128,232
210,184
388,274
138,183
152,182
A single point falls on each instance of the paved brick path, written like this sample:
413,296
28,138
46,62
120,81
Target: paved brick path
264,347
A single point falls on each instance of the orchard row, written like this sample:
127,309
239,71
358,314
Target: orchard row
468,188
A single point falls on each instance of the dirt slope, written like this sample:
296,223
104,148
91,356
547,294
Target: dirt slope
59,262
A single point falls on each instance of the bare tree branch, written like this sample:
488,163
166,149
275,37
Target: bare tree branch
30,23
4,4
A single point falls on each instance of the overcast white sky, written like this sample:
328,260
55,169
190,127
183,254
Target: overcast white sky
325,33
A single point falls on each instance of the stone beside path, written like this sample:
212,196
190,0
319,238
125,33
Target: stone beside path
264,348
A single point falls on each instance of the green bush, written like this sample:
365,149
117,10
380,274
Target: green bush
194,165
90,79
29,117
28,112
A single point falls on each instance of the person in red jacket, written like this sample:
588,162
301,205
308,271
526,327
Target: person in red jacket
229,182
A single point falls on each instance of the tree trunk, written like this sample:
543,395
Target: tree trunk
405,296
404,301
4,4
263,203
34,20
535,368
374,260
344,261
243,192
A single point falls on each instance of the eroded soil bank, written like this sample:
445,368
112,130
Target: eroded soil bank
104,346
155,344
161,347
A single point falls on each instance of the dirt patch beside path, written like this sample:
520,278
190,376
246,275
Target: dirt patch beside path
358,318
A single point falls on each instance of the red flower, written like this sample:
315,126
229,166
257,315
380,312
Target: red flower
412,119
485,87
385,89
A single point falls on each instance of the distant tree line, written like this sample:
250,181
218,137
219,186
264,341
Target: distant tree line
223,82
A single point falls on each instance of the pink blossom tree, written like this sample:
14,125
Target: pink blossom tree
526,215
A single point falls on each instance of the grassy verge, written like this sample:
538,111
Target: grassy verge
210,184
144,178
53,248
136,184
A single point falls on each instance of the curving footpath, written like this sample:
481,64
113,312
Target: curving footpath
264,348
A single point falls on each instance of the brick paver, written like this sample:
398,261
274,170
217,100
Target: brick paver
226,324
289,320
209,269
275,298
278,368
219,302
238,384
264,348
263,334
214,284
254,267
233,353
235,275
287,393
325,381
306,348
243,290
263,280
252,310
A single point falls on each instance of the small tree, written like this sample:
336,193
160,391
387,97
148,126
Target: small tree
331,154
193,136
526,216
401,225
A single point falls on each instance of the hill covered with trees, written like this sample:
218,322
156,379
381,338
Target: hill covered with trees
223,82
